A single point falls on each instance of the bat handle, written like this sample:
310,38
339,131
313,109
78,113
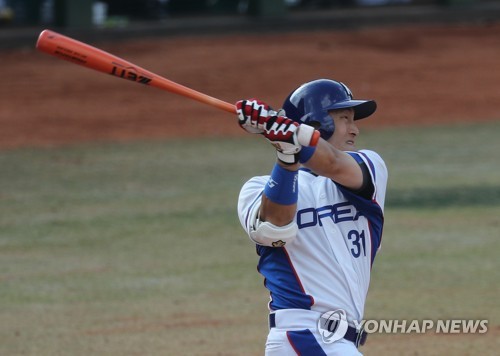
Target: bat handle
220,104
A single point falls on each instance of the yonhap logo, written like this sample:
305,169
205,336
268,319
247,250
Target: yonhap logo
332,326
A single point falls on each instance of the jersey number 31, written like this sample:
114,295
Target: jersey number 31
358,243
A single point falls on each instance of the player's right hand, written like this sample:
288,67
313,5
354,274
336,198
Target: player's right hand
253,115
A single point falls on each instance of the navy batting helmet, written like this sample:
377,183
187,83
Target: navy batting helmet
311,102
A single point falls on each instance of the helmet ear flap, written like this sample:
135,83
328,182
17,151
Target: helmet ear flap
321,121
315,124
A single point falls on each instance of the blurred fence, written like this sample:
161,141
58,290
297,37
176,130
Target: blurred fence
116,13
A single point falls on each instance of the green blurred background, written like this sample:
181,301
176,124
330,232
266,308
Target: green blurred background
136,248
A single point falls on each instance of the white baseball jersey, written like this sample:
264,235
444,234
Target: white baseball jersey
327,266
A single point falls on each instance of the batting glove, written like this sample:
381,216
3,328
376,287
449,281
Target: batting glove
253,115
284,134
281,132
288,137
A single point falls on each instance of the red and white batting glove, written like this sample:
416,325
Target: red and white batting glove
285,135
253,114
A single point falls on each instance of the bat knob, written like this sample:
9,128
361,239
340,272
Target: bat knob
307,135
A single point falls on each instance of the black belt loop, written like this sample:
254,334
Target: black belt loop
352,334
272,321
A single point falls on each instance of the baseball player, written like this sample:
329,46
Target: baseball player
316,220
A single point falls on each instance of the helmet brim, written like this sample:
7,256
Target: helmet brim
362,108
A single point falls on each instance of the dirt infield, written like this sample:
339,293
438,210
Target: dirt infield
418,75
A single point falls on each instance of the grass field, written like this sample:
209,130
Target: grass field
136,249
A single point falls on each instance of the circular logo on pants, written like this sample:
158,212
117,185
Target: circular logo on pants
332,325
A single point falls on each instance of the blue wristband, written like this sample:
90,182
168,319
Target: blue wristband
306,153
282,187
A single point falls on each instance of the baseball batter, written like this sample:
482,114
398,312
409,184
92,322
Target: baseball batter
316,219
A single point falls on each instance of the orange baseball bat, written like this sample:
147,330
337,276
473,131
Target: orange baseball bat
80,53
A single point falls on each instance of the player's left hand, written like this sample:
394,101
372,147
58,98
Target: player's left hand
282,133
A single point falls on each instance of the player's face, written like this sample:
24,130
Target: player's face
346,131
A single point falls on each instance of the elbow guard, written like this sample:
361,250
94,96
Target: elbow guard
266,234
